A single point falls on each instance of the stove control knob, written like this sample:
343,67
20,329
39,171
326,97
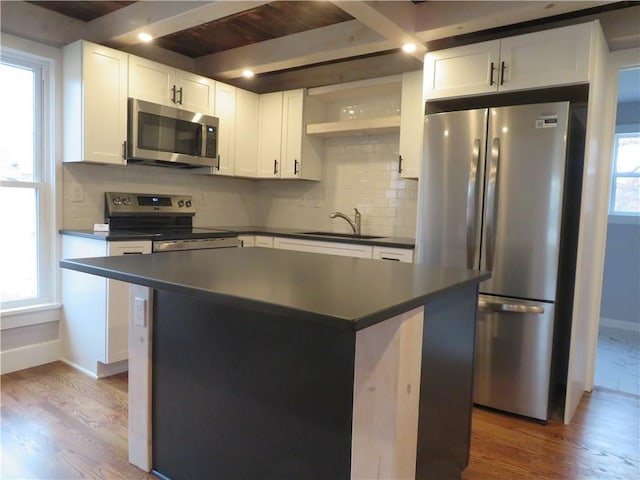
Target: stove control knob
180,203
188,203
126,201
117,201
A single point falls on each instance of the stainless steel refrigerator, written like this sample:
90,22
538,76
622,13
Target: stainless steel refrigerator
491,198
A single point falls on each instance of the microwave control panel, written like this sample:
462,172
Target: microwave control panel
211,141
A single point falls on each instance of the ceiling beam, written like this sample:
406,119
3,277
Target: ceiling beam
334,42
160,18
35,23
385,21
442,19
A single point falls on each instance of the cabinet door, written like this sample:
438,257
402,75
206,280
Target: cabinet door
553,57
197,94
292,131
117,326
246,138
151,81
95,123
411,125
105,104
462,71
247,240
225,110
263,241
270,135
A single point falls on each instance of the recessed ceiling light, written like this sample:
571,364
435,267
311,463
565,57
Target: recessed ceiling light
144,37
247,74
409,47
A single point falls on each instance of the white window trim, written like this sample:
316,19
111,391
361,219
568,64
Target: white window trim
51,200
614,176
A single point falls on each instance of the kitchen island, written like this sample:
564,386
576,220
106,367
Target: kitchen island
271,364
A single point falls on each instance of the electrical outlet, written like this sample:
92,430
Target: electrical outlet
203,198
77,194
140,311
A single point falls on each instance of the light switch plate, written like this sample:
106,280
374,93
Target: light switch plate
140,311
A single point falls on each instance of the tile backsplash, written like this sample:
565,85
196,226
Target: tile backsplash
357,172
218,200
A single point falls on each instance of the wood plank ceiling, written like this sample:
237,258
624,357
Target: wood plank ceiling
265,22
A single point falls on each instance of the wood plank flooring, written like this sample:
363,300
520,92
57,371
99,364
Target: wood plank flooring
58,423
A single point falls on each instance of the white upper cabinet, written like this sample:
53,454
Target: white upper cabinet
462,71
95,103
225,110
284,149
165,85
411,125
246,138
553,57
270,135
301,154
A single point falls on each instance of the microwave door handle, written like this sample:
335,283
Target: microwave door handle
203,140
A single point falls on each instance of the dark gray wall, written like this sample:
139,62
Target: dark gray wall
621,281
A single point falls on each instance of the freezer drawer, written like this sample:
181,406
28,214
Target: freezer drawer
513,355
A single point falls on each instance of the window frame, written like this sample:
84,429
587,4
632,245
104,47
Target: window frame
43,181
615,175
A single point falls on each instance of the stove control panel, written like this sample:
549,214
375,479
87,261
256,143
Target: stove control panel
120,203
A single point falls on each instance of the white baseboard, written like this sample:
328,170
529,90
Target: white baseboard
619,324
79,368
108,369
103,369
29,356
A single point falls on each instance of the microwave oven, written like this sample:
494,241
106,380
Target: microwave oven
170,137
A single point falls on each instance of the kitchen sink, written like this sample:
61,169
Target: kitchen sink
341,235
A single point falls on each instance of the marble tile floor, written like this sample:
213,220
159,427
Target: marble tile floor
618,360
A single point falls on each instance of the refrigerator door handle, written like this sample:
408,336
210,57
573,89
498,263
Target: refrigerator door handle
472,204
492,207
485,306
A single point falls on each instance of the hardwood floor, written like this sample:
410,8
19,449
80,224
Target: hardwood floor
602,443
58,423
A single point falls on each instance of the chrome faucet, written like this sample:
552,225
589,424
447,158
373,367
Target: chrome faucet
356,226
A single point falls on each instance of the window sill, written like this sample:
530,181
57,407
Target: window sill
32,315
624,219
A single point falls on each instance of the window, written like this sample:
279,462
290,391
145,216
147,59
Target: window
625,182
26,208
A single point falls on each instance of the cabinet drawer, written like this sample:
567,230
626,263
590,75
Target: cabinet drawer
393,254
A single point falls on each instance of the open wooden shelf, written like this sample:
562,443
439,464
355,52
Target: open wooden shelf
367,126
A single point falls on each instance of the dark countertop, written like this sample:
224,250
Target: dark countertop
395,242
341,292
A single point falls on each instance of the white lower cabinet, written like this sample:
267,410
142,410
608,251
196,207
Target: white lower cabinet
314,246
94,331
247,240
393,254
265,241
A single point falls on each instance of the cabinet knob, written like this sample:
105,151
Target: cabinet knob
275,166
295,166
492,68
399,163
